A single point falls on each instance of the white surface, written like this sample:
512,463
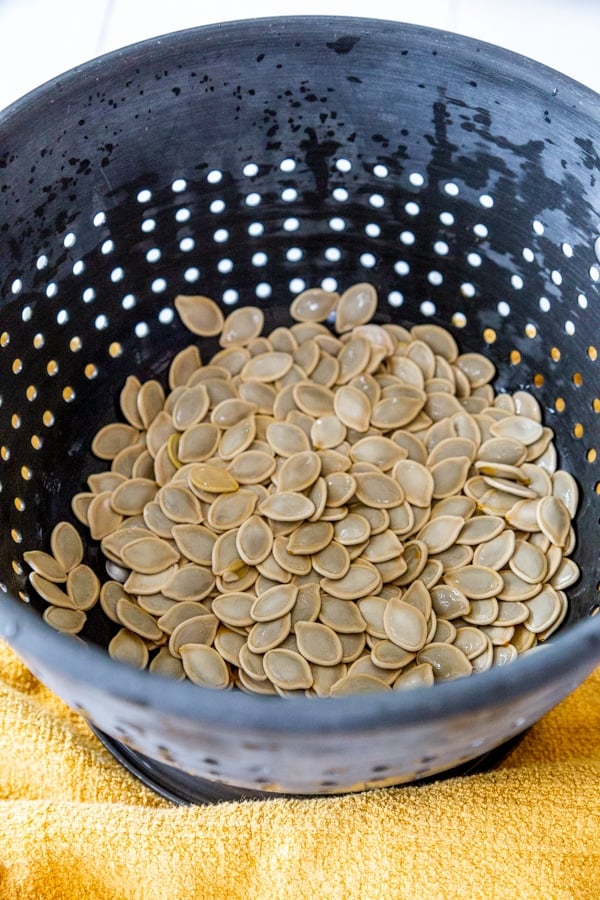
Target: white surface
42,38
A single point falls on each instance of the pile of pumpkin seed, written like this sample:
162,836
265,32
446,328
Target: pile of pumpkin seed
325,510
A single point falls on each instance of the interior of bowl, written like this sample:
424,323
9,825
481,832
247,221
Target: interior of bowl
249,161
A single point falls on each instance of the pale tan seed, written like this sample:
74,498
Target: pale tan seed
132,495
138,583
237,438
447,661
113,438
478,369
126,459
180,612
50,591
191,407
45,565
104,481
69,621
167,666
190,582
204,666
482,612
267,367
445,632
544,609
471,641
83,587
438,339
449,476
416,482
313,305
378,490
230,412
554,520
110,594
155,604
567,573
518,428
352,530
333,561
528,562
361,580
129,648
183,365
440,533
405,625
212,479
395,411
101,517
356,306
449,602
150,401
274,603
511,613
200,629
149,555
480,530
352,408
194,542
287,506
318,643
287,439
66,545
357,684
287,669
340,488
264,636
313,399
133,618
179,504
387,655
414,676
230,510
382,547
241,326
341,616
198,443
415,556
310,538
299,471
199,314
476,582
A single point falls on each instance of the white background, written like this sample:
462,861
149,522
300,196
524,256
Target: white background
42,38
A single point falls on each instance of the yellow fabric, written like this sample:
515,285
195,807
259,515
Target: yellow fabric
74,824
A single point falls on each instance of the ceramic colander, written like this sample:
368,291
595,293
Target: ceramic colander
247,161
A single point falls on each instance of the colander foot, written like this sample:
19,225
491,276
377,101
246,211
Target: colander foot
182,788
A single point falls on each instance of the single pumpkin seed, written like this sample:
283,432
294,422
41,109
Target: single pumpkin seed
200,629
204,666
199,314
361,580
405,625
129,648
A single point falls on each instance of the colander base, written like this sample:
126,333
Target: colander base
184,789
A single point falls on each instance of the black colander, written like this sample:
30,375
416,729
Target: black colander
246,161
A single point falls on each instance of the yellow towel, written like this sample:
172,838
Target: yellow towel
74,824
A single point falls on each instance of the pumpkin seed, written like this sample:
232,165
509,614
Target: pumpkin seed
416,676
204,666
360,580
356,306
200,629
83,587
313,305
129,648
66,546
133,618
405,625
476,582
199,314
287,506
447,661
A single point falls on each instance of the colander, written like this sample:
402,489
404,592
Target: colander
247,161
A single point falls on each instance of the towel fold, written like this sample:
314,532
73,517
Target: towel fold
75,824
